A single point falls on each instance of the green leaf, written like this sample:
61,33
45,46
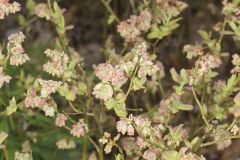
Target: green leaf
22,21
66,92
171,155
118,157
11,108
82,88
111,19
120,110
196,143
138,83
218,112
111,103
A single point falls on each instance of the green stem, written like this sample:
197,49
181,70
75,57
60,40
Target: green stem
6,153
131,82
120,150
222,31
100,153
229,128
219,140
84,152
106,5
200,107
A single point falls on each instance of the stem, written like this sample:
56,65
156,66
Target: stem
222,31
131,82
201,108
93,143
84,152
100,153
229,128
106,5
135,109
219,140
5,153
120,150
161,89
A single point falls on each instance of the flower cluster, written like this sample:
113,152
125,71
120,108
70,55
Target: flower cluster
108,142
146,66
21,156
6,8
3,78
65,144
131,29
38,95
57,64
193,50
15,49
111,77
125,126
169,8
107,73
61,120
42,10
206,63
103,91
79,129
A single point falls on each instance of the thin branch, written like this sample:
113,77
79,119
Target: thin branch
106,5
200,107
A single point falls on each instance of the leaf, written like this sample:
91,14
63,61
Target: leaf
196,143
120,110
11,108
171,155
118,157
111,103
111,19
82,88
3,136
237,99
66,92
174,75
138,83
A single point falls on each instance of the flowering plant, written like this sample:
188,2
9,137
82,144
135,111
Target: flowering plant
132,104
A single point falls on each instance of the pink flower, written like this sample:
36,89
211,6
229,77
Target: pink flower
6,8
118,77
15,48
144,21
104,72
43,11
79,129
48,86
124,126
103,91
56,66
61,120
